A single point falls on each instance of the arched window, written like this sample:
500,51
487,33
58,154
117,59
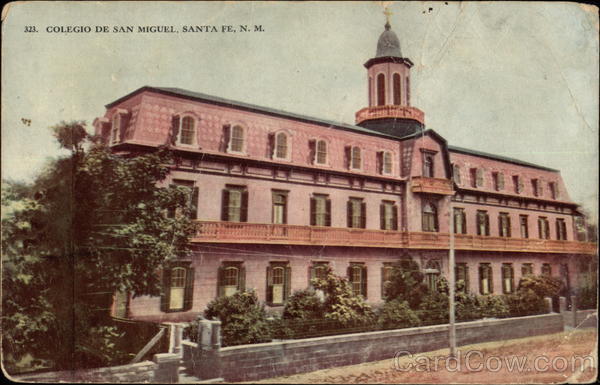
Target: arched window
230,280
177,288
281,145
407,91
430,222
397,90
380,89
321,152
187,131
370,91
432,274
356,159
236,143
428,166
115,131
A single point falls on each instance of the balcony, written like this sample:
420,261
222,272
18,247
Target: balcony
421,184
390,111
262,233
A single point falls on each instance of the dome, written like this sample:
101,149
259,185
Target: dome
388,43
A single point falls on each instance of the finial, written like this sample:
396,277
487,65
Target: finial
387,14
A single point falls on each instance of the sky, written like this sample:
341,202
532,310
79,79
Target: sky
518,79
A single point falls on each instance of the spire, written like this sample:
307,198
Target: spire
388,44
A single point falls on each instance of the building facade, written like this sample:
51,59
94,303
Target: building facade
277,196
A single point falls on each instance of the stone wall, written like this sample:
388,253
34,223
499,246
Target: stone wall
254,362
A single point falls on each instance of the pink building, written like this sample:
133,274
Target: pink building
279,195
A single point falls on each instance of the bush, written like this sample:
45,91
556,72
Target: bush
525,302
243,319
397,314
468,307
303,305
493,306
434,308
587,297
406,283
541,285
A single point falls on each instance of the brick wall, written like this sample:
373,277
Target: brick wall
254,362
134,373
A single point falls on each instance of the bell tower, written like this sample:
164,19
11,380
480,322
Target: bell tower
388,72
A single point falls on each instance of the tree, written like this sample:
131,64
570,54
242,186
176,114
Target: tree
406,283
93,223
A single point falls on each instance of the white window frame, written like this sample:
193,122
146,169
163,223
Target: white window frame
288,143
230,150
180,130
316,159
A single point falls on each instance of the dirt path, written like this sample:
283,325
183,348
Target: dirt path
542,359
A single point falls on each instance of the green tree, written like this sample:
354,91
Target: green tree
406,283
92,223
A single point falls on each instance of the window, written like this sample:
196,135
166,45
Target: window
524,226
320,210
508,281
178,285
355,158
498,180
386,277
281,146
370,91
234,207
553,190
535,187
561,229
357,276
231,278
407,91
115,130
389,215
280,207
432,274
485,279
192,198
386,162
357,213
462,277
483,223
279,277
473,175
187,131
430,221
397,90
543,228
518,184
381,90
236,143
456,174
460,221
428,166
526,269
321,157
504,225
546,269
318,270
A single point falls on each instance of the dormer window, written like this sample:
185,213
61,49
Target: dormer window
386,163
553,190
237,139
281,146
321,152
428,165
535,187
187,131
115,130
355,158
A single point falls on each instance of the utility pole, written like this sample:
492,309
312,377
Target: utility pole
451,284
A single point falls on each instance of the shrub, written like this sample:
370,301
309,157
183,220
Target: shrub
303,305
243,318
541,285
434,308
587,297
406,283
397,314
468,307
493,306
525,302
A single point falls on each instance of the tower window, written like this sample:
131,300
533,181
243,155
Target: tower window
381,90
397,90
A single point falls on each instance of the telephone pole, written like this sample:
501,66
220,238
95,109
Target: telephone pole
451,284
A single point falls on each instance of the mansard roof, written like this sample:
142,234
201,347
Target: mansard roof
498,157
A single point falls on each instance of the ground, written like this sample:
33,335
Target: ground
559,358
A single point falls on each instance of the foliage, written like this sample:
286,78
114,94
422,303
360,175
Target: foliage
396,314
303,305
493,306
90,224
406,283
525,302
243,318
541,285
341,304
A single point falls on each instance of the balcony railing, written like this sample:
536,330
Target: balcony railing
390,111
264,233
421,184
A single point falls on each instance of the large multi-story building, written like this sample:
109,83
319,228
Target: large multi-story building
277,196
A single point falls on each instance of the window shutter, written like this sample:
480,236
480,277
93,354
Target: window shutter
188,297
454,220
226,137
480,279
487,224
508,226
479,175
363,289
165,298
363,215
547,228
221,281
466,278
272,145
540,187
349,273
328,212
464,222
312,151
520,184
244,213
174,130
382,282
490,278
269,296
313,211
287,283
349,212
379,162
500,181
225,205
194,203
348,151
382,216
394,217
499,225
242,279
